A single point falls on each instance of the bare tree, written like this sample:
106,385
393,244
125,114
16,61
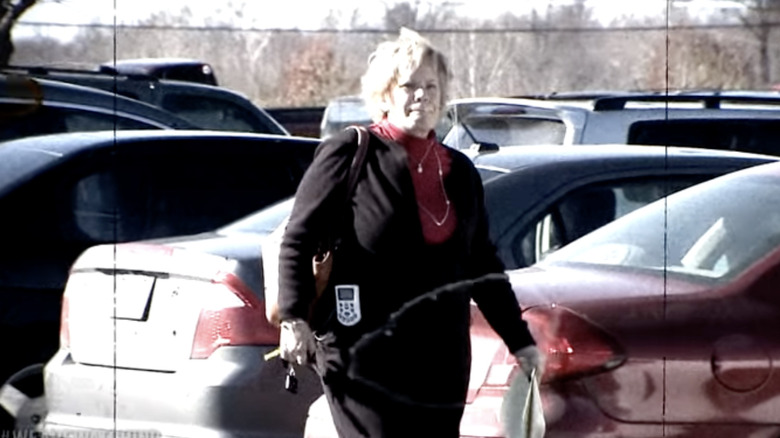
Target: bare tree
700,58
557,53
761,18
92,45
10,11
562,48
414,16
315,72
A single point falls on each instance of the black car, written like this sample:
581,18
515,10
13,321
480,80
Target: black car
61,194
540,199
522,185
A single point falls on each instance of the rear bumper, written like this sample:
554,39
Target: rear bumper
234,393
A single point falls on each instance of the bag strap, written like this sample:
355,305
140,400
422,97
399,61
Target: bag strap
358,160
358,163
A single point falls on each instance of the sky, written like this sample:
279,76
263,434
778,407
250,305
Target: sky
286,13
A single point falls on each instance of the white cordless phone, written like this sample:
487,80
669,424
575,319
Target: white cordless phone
348,304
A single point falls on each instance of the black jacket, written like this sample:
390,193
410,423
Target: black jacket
385,254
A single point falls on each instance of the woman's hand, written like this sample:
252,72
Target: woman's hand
531,358
296,341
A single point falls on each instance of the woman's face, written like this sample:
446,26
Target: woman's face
415,103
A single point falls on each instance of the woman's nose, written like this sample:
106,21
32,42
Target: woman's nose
419,93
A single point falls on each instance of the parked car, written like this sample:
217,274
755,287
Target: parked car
661,323
204,106
732,120
30,106
191,364
540,200
194,306
300,121
341,112
61,194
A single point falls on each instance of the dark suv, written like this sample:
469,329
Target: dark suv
204,106
30,106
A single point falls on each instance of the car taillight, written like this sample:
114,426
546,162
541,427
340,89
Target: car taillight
573,345
232,315
65,322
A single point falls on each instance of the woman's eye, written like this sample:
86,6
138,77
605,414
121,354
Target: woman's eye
410,87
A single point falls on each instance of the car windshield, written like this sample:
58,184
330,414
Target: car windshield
714,230
502,124
261,222
347,110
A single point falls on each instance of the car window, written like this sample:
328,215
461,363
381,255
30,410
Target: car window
41,236
340,110
77,120
343,112
213,113
185,188
20,120
583,210
703,233
748,135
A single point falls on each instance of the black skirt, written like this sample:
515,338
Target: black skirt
359,412
408,378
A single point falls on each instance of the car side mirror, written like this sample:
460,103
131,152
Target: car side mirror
484,147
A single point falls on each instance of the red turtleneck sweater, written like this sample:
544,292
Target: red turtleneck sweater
426,156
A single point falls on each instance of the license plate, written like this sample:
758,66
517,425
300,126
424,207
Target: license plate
132,294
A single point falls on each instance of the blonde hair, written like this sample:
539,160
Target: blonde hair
390,60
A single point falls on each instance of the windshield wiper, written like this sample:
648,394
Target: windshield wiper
476,145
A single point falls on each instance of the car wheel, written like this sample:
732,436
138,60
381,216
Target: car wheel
22,402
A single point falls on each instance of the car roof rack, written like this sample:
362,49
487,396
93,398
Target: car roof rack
579,95
708,100
178,69
38,70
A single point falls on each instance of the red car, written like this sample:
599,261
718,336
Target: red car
665,322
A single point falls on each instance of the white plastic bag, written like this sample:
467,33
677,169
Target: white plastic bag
522,413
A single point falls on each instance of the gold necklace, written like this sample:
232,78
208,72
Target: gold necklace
444,191
419,163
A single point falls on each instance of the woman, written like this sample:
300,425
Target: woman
415,223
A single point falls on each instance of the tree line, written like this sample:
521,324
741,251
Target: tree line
563,49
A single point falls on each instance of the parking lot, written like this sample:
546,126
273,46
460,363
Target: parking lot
628,158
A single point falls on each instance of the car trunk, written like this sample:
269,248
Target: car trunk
137,307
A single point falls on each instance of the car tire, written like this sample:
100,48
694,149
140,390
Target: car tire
22,401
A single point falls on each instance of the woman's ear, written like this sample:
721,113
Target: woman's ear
386,103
